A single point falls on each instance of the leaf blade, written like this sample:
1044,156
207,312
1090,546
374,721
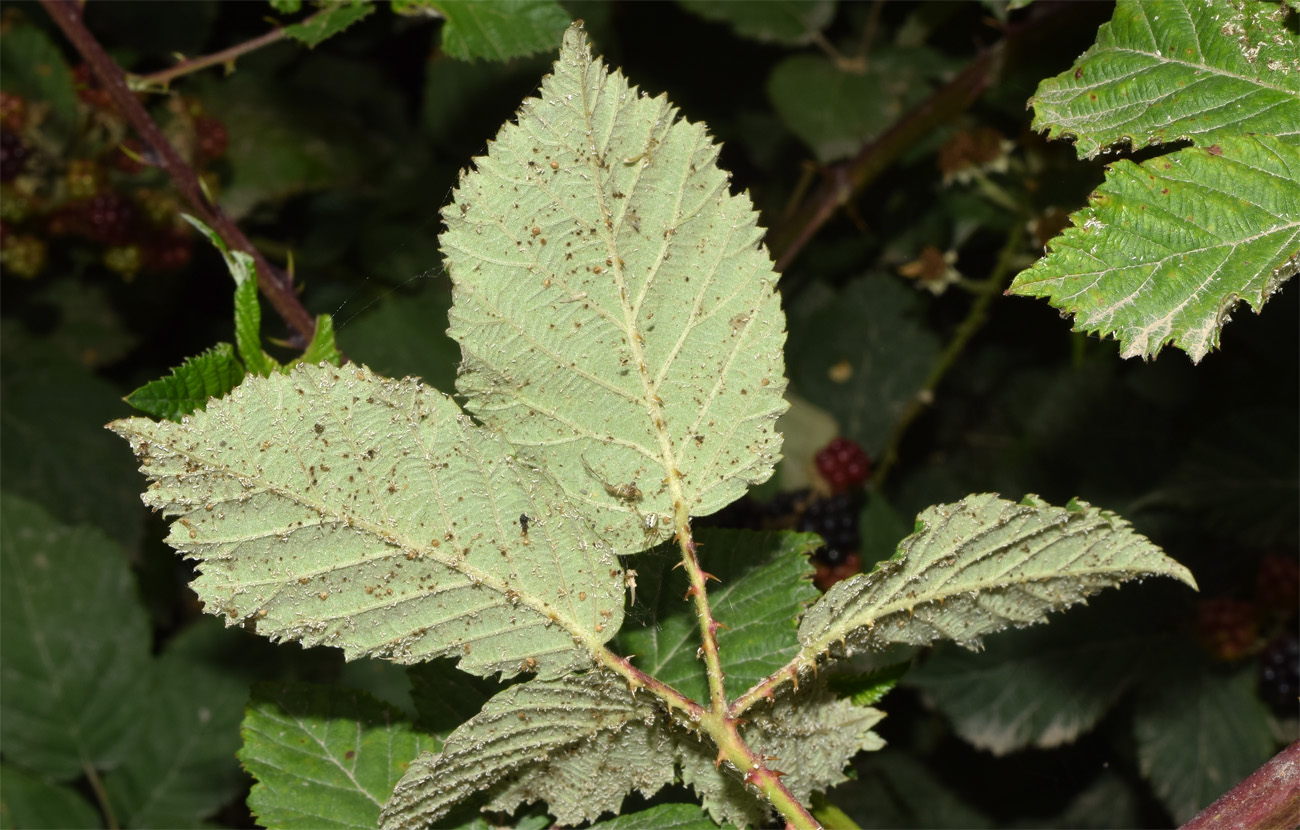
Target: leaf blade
211,374
1170,71
977,566
1135,265
352,513
572,248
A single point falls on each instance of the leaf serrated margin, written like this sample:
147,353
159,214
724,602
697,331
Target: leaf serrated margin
335,507
978,566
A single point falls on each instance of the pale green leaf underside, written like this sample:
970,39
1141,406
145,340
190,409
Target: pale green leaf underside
1166,71
582,743
978,566
615,306
338,508
536,733
1167,248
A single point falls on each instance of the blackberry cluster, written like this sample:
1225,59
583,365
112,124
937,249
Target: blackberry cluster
102,197
835,519
1226,627
1279,674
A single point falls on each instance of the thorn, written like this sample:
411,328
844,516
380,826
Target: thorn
690,592
716,625
707,576
717,762
776,773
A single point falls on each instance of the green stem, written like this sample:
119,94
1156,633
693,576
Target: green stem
973,322
101,796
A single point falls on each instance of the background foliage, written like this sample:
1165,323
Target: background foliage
122,704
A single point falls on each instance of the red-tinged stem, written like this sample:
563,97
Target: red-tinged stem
274,283
186,67
1269,798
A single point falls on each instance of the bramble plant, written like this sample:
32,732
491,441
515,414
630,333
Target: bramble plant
586,641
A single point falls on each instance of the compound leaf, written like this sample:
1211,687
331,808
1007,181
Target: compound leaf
338,508
978,566
614,304
1168,247
324,756
499,29
189,386
1164,72
579,742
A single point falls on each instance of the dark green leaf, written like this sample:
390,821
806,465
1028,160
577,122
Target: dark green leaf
33,66
190,385
1200,732
445,697
765,584
181,768
405,334
333,18
52,412
788,22
500,29
248,328
863,356
32,803
324,757
75,642
662,817
836,109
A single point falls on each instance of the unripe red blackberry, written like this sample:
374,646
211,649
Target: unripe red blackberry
826,575
1227,627
23,255
13,156
88,88
843,464
168,252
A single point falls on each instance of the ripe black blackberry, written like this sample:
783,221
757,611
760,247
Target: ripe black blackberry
13,156
835,519
1279,674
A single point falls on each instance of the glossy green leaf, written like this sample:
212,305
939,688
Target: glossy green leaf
787,22
499,29
75,642
615,305
324,757
334,17
580,743
181,766
189,386
765,581
337,508
977,567
1169,247
32,803
1205,70
1199,733
248,320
